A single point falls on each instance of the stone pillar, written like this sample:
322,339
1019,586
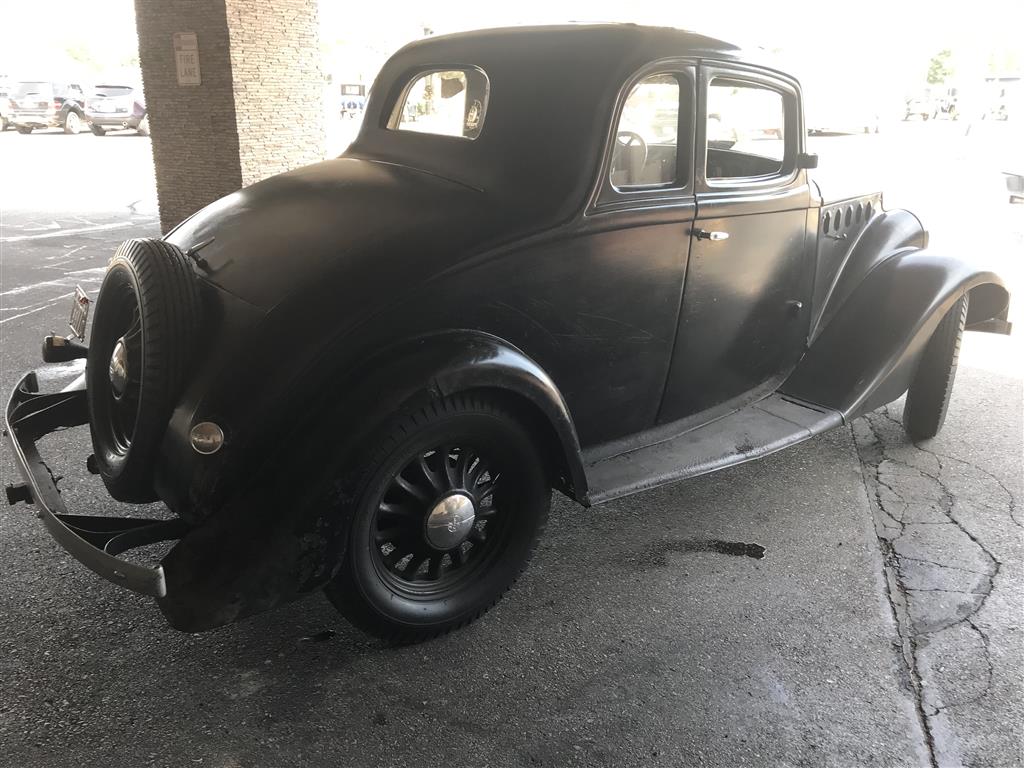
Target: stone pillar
257,110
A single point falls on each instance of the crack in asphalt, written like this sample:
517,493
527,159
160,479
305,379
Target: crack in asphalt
881,468
947,566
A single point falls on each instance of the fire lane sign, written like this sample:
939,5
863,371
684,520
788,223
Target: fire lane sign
186,58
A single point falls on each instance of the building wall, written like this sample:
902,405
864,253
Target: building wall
258,110
275,58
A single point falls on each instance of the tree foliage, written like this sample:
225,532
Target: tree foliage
939,69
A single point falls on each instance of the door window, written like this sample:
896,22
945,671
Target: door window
646,138
745,130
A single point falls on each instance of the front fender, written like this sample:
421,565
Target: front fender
867,354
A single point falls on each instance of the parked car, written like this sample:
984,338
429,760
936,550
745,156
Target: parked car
368,374
947,105
921,105
1014,185
833,114
43,104
5,107
117,107
353,99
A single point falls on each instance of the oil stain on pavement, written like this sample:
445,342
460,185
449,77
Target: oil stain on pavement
655,555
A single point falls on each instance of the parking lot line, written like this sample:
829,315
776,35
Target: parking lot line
66,232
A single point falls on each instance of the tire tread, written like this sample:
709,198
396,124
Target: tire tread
170,307
357,610
932,386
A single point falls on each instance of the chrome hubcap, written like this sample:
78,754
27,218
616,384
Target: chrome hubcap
119,368
450,521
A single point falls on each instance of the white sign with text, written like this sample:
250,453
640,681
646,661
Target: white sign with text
186,57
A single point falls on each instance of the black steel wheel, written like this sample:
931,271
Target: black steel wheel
449,513
143,335
121,393
932,386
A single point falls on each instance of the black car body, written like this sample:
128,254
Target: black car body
116,107
651,306
44,104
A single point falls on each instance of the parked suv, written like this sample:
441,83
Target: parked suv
42,104
114,107
5,107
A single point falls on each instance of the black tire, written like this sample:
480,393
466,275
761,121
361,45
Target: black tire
98,130
25,129
73,122
410,597
149,303
932,385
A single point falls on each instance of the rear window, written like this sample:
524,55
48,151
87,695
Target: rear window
112,90
449,102
32,88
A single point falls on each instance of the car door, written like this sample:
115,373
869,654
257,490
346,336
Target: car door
745,309
596,305
633,244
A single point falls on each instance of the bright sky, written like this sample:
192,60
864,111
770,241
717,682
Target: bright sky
846,36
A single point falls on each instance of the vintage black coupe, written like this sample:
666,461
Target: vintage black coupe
587,258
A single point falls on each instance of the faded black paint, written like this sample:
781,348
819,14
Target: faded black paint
340,294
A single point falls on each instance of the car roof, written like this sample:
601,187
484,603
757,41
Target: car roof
553,91
578,38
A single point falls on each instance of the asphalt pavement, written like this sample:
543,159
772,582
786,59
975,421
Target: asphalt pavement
853,601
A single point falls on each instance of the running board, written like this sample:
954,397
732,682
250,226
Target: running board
769,425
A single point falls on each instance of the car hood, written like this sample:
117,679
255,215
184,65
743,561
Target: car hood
344,230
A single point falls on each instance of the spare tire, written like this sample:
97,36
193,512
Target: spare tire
144,329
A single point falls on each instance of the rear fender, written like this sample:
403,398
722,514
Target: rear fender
285,534
867,353
443,364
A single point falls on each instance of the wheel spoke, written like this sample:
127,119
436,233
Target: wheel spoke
487,489
450,473
483,514
430,474
475,474
394,557
411,489
462,466
456,556
434,569
413,565
389,508
476,536
393,534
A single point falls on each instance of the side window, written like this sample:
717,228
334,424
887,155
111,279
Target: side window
745,130
443,102
644,154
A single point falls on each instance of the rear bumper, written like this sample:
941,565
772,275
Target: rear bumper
37,120
114,121
92,540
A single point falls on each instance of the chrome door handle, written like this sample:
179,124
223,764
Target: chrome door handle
703,234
